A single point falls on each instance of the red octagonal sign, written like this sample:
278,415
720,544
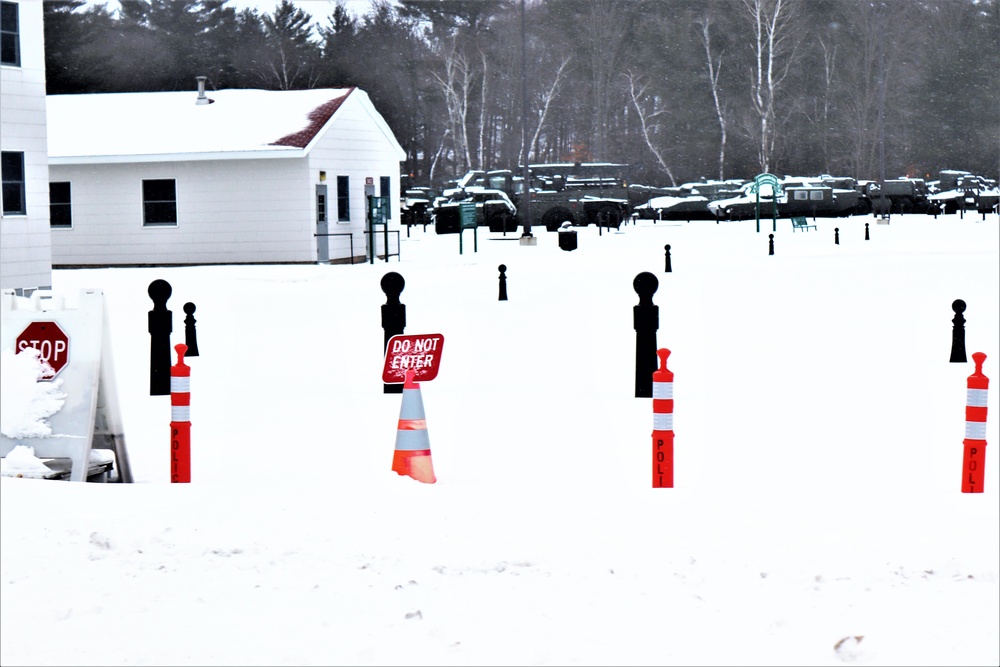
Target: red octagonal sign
51,342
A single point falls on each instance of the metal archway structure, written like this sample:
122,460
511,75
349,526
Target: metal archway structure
776,191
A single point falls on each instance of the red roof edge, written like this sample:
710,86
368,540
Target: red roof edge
317,119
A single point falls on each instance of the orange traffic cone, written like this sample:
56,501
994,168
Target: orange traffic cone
413,446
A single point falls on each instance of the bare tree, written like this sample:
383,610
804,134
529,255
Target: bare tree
887,37
480,153
546,100
714,69
437,155
605,24
829,68
644,120
773,55
861,98
456,83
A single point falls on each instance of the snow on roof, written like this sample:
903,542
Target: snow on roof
124,127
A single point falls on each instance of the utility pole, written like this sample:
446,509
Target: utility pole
525,203
880,13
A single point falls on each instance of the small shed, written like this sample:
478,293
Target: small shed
219,177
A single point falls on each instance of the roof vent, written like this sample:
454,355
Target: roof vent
201,91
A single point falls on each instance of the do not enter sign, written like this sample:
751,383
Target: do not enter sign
420,353
51,342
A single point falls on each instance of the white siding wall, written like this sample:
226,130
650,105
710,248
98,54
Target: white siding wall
354,146
25,250
228,211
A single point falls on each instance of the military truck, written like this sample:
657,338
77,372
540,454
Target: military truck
580,193
901,195
415,206
494,209
961,190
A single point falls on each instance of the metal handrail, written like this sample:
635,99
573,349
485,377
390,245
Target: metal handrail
386,232
351,234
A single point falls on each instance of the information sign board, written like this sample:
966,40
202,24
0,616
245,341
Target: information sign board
467,211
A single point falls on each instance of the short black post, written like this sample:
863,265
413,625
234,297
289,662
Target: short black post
866,232
393,318
958,333
770,244
160,325
666,250
503,282
190,335
645,321
836,235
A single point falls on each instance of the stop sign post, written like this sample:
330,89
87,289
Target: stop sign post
51,342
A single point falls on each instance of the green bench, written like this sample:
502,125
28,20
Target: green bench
801,223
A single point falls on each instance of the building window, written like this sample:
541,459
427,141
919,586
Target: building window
343,199
60,205
12,166
10,35
385,186
159,202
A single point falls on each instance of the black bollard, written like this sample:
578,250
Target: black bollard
393,318
190,335
836,235
770,244
958,333
666,250
503,282
160,325
645,320
866,232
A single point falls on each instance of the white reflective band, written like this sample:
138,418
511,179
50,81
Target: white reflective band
976,398
663,390
663,421
180,385
975,430
180,413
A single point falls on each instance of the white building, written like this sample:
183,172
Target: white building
25,250
228,176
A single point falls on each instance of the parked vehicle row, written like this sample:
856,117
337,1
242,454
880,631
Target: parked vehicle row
827,196
598,193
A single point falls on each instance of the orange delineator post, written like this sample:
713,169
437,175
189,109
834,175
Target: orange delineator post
974,461
663,423
412,456
180,418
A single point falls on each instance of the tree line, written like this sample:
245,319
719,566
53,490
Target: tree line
680,89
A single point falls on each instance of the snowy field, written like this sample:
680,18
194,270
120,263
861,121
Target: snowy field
817,517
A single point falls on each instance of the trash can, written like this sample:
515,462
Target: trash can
567,237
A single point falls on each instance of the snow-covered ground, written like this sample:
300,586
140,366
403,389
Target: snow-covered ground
816,519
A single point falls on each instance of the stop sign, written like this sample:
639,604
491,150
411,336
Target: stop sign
51,342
